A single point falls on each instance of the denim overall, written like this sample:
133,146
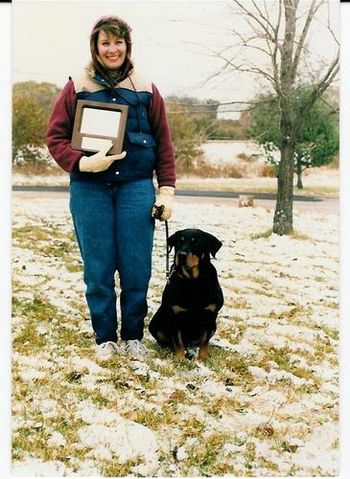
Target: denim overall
111,213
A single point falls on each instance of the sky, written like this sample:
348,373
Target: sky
174,42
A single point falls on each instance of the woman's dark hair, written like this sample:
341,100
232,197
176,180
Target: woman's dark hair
118,27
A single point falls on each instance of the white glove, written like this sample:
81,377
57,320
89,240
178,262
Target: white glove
163,205
99,161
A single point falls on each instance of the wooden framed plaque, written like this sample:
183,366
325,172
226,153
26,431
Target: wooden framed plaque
96,124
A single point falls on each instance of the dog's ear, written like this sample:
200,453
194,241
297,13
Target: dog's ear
213,243
173,239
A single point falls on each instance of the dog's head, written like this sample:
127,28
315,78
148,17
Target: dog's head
192,247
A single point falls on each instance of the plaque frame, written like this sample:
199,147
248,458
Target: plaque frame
91,139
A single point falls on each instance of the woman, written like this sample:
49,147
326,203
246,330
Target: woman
112,198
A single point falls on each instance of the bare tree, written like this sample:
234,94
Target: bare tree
277,32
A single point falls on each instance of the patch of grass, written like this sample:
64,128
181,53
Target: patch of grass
294,313
33,313
263,292
331,304
331,332
224,405
206,455
115,468
319,279
58,249
259,280
240,303
51,241
28,439
268,464
231,368
149,418
323,350
35,438
278,355
250,454
189,426
94,395
67,336
28,235
299,236
264,234
281,356
38,309
165,368
73,265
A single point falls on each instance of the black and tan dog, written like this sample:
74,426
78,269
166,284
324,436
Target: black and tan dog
192,297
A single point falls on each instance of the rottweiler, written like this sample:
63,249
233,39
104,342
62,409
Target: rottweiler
192,298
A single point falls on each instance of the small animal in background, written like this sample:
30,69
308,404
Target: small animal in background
192,298
246,200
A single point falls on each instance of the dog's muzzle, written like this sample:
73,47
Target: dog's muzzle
181,256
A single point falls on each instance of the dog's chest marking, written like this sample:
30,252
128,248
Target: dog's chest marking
211,307
178,309
190,273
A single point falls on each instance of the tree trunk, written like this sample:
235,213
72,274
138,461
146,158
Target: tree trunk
283,218
299,181
299,173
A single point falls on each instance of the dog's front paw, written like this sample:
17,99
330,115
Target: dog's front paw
203,351
180,352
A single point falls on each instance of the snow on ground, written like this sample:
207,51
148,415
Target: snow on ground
264,403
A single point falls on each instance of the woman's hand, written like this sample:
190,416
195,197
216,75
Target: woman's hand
99,161
162,208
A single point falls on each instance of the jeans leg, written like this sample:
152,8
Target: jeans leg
134,232
92,209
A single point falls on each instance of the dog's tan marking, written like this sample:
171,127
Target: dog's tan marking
192,260
185,272
203,351
178,309
195,272
190,272
180,348
211,307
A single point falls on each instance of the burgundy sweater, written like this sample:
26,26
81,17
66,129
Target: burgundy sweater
60,130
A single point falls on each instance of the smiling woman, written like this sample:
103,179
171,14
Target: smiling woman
112,197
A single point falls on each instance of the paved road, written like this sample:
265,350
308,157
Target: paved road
266,200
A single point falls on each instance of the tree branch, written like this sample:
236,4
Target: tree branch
322,85
255,19
300,45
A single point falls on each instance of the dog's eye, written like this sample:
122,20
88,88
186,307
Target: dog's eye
182,238
193,240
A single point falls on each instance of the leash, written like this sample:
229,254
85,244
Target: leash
158,211
167,270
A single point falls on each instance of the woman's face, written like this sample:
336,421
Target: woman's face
111,50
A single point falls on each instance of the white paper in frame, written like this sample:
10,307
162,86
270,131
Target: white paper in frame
96,123
100,122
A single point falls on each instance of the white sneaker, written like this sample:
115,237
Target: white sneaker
106,350
135,349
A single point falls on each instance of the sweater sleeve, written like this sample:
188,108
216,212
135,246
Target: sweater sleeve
165,168
60,129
